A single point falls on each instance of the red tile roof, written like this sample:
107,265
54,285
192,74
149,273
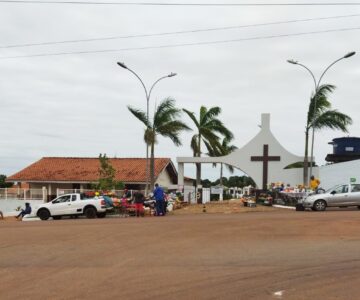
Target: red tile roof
78,169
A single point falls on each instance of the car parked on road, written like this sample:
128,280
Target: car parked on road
72,205
342,195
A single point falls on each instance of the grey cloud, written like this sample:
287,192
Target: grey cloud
81,100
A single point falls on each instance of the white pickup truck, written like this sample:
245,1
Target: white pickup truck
72,205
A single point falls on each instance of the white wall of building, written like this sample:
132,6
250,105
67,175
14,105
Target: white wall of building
294,177
241,159
339,173
164,179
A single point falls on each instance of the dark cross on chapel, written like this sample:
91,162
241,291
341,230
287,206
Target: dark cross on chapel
265,159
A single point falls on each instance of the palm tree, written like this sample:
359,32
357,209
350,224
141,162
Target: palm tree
208,127
226,149
165,123
322,117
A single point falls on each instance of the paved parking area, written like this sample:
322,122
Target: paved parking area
256,255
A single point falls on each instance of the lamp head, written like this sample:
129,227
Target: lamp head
172,74
349,54
291,61
122,65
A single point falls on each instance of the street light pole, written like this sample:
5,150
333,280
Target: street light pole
317,86
147,94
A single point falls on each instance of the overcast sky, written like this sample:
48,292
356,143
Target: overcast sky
75,105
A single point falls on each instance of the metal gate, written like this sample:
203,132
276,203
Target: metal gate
205,195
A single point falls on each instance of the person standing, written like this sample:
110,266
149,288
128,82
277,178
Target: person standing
139,203
159,198
314,183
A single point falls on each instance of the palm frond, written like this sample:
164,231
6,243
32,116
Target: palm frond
203,112
174,136
211,114
172,127
319,102
217,126
209,135
333,119
140,115
165,111
192,117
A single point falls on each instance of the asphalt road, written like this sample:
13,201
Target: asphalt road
257,255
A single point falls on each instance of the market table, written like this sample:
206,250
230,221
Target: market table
293,197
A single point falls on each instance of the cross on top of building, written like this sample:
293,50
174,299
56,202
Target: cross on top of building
265,159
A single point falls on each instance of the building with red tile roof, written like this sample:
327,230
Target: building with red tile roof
79,173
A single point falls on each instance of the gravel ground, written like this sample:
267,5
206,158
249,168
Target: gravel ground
277,254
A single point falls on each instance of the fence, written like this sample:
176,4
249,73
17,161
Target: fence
13,199
117,193
22,194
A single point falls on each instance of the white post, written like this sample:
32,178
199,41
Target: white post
24,194
180,174
5,193
44,194
49,189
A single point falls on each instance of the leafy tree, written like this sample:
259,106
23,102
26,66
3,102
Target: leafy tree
322,117
3,183
206,183
165,123
107,172
240,181
232,181
209,131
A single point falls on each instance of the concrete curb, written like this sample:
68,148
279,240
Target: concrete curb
283,206
30,219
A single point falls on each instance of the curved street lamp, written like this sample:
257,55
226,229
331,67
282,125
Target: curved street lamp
317,85
147,94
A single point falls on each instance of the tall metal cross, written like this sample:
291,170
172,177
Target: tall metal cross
265,159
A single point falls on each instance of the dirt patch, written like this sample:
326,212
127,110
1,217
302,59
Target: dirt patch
9,219
305,255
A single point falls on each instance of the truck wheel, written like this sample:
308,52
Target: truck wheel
43,214
101,215
320,205
90,212
57,217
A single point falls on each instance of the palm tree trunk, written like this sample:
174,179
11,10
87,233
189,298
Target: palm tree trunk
198,174
198,166
221,174
152,167
306,159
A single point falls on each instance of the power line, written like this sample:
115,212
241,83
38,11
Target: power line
179,3
177,32
183,44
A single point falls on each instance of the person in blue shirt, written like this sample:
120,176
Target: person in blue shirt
159,197
26,211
